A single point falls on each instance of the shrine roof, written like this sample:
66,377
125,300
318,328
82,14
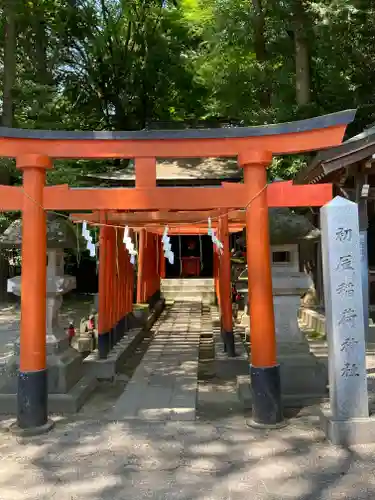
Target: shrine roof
332,160
176,169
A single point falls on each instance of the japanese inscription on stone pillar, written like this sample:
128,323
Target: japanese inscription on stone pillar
344,309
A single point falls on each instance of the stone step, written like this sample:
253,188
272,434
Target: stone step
194,282
176,288
188,286
187,292
187,289
189,295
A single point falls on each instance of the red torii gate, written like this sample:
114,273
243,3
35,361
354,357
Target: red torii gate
280,194
254,146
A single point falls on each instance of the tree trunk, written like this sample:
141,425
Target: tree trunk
261,52
302,54
43,78
9,62
8,112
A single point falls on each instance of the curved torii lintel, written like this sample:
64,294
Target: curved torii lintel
293,137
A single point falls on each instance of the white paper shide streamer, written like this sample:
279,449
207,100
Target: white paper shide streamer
87,235
215,240
167,247
129,245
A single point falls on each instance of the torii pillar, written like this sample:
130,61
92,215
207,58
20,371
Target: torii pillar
225,289
145,178
162,263
32,394
103,298
264,370
141,267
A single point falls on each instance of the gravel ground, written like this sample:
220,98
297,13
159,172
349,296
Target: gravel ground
217,457
204,460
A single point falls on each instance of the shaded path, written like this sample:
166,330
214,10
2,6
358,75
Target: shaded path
164,386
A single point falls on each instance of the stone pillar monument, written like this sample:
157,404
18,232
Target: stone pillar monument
346,421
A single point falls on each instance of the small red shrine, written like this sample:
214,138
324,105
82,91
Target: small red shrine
191,266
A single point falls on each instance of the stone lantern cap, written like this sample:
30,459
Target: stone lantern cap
287,228
61,233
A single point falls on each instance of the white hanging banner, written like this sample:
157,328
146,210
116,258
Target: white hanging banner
129,245
126,237
215,241
85,232
91,247
167,247
171,258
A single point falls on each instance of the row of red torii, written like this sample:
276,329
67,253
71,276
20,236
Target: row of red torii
147,208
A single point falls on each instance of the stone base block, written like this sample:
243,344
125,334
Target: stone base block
139,317
292,348
370,339
64,371
70,402
227,369
106,369
288,400
302,373
143,317
83,343
347,432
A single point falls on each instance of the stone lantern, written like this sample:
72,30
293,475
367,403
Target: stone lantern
302,375
65,369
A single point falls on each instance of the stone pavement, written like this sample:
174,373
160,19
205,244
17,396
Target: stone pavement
164,385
